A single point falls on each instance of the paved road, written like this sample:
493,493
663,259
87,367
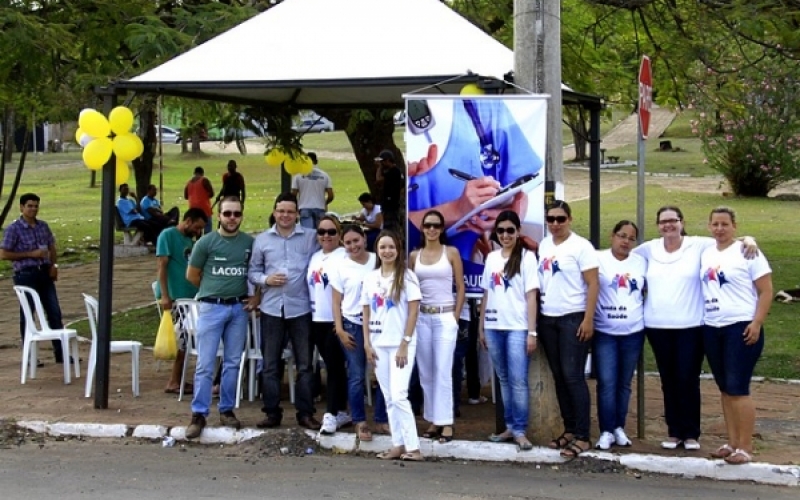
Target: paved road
138,471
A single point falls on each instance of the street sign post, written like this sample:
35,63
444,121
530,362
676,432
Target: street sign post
645,104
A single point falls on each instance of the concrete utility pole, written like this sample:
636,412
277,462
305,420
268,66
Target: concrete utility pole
537,67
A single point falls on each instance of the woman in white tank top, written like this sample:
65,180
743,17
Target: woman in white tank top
438,268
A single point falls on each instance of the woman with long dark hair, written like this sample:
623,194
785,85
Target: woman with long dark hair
438,268
508,325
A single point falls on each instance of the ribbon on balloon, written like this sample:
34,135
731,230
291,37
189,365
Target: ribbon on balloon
99,137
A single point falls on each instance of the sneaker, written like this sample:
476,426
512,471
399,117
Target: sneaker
228,419
477,401
606,440
343,419
196,427
671,443
621,438
328,424
691,445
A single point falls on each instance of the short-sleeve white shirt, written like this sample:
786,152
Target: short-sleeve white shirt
347,279
506,305
620,303
311,189
320,268
387,318
561,270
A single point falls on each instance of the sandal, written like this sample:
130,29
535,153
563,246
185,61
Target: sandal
504,437
383,429
432,432
573,449
723,451
523,443
393,453
412,456
363,432
446,438
739,457
560,442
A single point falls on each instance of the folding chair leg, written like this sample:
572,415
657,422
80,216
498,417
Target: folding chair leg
135,370
65,359
26,362
183,375
90,372
76,358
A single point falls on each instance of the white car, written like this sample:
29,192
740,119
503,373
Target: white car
321,124
169,135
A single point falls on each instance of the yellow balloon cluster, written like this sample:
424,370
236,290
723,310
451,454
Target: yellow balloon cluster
471,89
93,135
297,163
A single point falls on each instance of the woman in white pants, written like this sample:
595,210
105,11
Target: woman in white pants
438,267
390,297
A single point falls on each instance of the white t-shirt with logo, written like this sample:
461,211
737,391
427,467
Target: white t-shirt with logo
729,294
620,303
346,279
561,270
320,268
674,294
387,319
506,306
311,189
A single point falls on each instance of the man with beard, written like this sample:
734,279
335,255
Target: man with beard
173,249
218,267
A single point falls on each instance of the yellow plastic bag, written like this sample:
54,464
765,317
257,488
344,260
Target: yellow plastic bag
166,347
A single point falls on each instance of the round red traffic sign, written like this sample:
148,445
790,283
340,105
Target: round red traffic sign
645,95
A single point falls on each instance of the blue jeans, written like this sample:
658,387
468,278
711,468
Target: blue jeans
309,217
615,358
679,357
215,323
566,355
356,378
731,360
40,280
510,359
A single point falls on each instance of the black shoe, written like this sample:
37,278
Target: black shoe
309,422
269,422
196,427
228,419
60,361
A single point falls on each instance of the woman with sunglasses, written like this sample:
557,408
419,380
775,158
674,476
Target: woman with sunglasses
508,326
390,300
438,267
568,270
673,321
348,319
323,336
619,331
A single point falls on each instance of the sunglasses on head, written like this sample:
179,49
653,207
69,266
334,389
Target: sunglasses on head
556,218
230,213
329,232
432,225
506,230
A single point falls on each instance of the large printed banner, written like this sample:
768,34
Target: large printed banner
470,158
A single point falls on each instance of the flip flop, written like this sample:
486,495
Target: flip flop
573,450
414,456
723,451
390,455
363,432
503,437
523,443
739,457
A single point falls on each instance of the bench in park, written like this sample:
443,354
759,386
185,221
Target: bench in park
130,235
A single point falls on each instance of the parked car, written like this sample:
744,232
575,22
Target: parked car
400,119
169,135
320,124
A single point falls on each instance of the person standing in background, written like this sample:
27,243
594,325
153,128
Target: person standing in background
314,193
232,184
198,192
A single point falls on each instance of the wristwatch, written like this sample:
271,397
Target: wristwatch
532,333
407,338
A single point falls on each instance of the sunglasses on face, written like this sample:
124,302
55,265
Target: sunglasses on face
506,230
432,225
229,213
668,221
329,232
556,218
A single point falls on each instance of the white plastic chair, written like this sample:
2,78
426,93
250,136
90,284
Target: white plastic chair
117,346
187,311
154,286
252,357
67,336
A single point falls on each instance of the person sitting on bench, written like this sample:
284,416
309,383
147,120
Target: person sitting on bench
131,216
151,209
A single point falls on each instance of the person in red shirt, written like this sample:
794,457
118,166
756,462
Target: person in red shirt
198,192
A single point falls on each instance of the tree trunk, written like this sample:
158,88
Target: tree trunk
196,143
8,133
17,178
576,119
143,166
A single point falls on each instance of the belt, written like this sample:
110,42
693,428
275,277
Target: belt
436,309
222,301
27,269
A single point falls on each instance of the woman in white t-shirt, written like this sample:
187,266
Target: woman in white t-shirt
737,295
618,331
321,266
438,267
347,316
568,269
371,219
508,323
390,299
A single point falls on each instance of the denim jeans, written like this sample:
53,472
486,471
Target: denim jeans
731,360
510,359
215,323
679,357
356,378
566,355
276,332
615,358
324,338
40,280
309,217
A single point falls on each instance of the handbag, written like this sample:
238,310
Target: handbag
166,347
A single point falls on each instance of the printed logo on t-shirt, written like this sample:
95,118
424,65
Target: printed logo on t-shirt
624,282
318,277
549,264
380,300
714,274
499,279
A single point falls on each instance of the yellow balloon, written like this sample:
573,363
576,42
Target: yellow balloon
97,153
94,124
275,157
126,147
471,89
121,120
305,165
292,166
78,134
122,172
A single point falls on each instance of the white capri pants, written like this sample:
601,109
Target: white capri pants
394,384
437,335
